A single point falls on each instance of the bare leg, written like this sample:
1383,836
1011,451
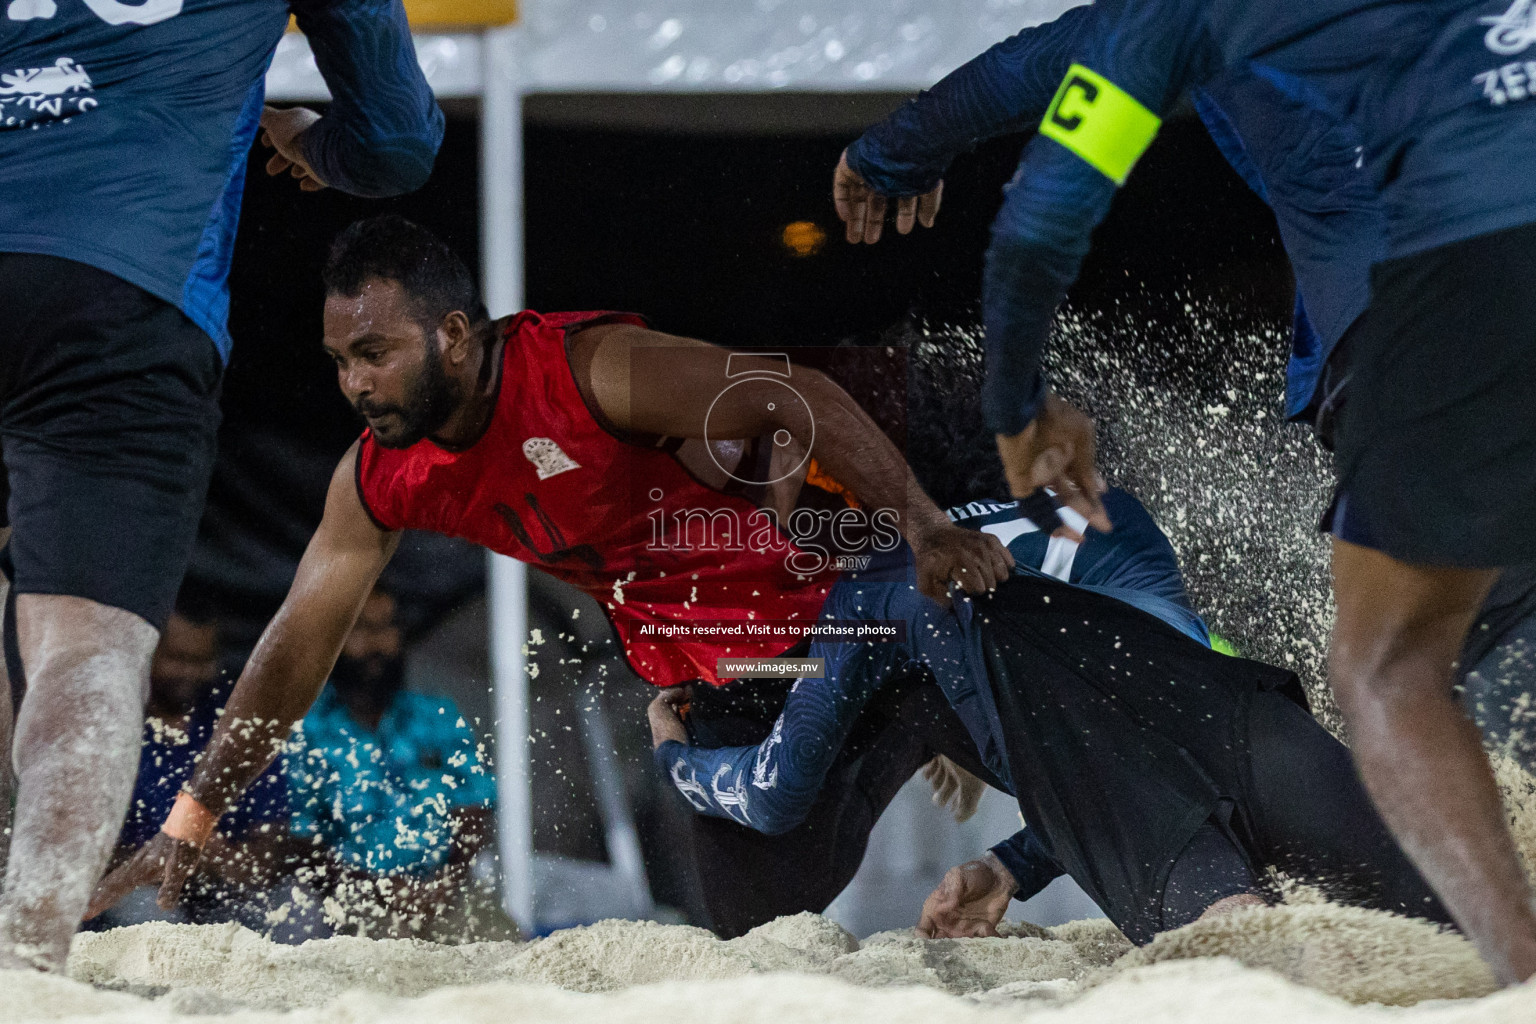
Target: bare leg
76,754
1400,628
6,781
5,748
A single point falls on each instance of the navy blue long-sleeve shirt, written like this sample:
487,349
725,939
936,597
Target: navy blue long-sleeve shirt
125,128
1029,862
771,786
1436,87
1275,131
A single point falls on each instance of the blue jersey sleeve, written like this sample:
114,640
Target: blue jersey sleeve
771,787
1006,89
1028,861
1147,52
1224,133
1306,160
384,127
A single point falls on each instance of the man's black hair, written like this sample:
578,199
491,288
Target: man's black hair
391,248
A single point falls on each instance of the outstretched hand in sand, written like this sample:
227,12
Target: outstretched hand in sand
163,861
969,902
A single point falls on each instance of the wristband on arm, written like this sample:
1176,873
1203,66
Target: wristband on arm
1099,121
189,821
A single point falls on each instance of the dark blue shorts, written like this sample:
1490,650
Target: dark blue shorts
109,415
1435,422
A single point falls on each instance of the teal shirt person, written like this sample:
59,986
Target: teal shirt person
382,798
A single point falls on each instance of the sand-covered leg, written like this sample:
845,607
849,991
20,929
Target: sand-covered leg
1400,628
7,780
76,755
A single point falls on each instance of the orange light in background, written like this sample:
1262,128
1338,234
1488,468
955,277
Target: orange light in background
803,238
453,14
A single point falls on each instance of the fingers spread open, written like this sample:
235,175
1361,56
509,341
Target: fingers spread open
854,212
1086,486
112,888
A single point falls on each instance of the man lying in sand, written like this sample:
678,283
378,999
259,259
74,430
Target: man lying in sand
1165,778
588,445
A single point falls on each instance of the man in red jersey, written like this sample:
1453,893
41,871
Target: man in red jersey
656,473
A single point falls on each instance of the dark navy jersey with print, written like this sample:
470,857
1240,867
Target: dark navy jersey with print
124,128
1274,130
1438,90
1134,563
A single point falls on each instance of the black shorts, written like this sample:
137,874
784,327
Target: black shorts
109,414
1147,762
1435,425
1211,868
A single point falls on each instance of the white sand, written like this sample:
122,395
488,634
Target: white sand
1307,960
1312,962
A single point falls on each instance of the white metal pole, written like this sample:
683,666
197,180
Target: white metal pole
501,257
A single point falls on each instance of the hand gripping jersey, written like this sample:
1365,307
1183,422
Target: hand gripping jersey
548,485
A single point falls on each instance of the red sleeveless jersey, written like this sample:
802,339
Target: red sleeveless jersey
548,485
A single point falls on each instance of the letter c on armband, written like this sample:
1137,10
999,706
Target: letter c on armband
1100,122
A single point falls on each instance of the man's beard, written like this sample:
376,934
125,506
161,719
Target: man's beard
429,400
369,683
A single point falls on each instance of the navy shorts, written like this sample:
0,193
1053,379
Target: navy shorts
109,414
1434,416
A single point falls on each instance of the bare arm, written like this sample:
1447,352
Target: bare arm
281,680
299,647
649,382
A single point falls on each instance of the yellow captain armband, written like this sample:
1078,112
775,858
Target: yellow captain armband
1100,122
